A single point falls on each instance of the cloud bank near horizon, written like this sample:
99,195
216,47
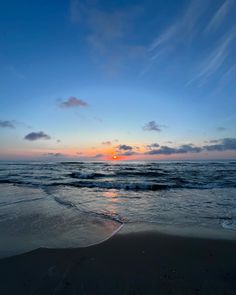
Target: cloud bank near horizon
224,144
219,145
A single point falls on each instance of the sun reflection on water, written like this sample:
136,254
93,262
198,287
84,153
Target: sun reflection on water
112,195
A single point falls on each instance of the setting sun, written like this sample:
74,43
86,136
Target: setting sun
115,157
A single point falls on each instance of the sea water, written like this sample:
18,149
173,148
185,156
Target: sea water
76,204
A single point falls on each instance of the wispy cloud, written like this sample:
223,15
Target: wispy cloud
98,156
15,72
226,79
13,124
152,126
221,128
109,32
219,15
72,102
106,142
54,154
104,26
100,120
128,153
152,146
184,28
7,124
79,153
181,36
216,59
36,136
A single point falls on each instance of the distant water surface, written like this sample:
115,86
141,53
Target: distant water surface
72,204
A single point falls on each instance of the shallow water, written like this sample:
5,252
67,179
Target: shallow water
72,204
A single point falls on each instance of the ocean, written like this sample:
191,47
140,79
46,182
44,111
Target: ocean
77,204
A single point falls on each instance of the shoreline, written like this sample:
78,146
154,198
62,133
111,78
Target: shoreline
187,231
147,262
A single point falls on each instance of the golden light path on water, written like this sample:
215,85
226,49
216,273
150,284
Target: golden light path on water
113,199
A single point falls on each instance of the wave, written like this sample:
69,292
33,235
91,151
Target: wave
117,185
12,181
5,181
88,180
2,204
141,186
140,173
88,175
229,224
126,173
65,202
83,210
225,218
71,163
127,176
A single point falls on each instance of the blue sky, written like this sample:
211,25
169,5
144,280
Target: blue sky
76,74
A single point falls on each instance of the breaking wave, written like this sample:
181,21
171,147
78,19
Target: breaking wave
229,224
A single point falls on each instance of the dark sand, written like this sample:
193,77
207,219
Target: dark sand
138,263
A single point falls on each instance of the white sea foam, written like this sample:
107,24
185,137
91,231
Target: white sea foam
229,224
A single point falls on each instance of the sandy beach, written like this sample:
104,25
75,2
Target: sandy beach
134,263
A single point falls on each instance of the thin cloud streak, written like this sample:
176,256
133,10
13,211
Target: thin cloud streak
98,156
221,128
105,27
15,72
226,79
7,124
128,154
219,16
216,59
106,142
108,33
153,146
54,155
184,27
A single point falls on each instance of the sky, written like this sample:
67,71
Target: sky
139,80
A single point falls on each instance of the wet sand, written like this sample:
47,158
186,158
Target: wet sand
135,263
